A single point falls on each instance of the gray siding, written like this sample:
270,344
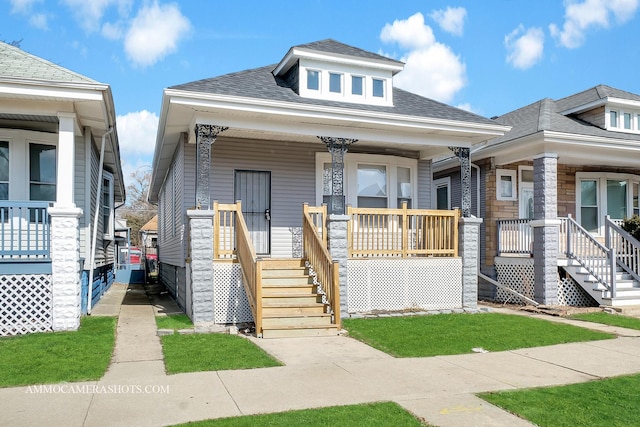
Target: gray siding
292,167
425,178
171,212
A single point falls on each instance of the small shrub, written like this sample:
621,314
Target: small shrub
632,226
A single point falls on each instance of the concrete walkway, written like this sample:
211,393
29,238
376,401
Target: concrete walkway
135,391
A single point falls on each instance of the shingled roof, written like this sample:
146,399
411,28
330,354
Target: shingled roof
16,63
335,47
545,115
260,83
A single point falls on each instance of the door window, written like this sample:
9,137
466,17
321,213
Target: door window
589,204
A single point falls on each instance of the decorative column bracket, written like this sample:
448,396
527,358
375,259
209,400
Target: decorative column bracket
465,174
337,147
205,137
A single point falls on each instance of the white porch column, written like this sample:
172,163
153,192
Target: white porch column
65,268
65,166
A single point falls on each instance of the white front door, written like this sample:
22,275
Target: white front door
526,200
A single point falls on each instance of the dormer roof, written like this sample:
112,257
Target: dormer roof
330,50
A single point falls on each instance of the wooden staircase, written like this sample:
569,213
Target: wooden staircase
291,305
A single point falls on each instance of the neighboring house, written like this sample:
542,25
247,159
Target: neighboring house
60,181
324,125
546,191
149,236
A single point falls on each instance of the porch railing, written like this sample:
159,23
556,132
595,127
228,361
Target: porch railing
402,232
233,241
625,247
592,255
515,236
317,254
25,231
318,217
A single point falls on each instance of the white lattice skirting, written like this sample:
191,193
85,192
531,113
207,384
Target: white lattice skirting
517,274
402,284
230,303
25,304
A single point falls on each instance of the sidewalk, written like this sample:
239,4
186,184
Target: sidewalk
135,391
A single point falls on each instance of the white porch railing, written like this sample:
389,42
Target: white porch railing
24,231
625,247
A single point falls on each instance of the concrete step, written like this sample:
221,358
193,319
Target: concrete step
299,331
621,301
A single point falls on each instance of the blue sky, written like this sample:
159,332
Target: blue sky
489,56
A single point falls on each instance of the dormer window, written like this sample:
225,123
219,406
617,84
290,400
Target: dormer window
626,120
378,88
357,85
313,79
613,119
335,82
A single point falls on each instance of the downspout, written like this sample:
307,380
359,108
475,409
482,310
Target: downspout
94,237
477,168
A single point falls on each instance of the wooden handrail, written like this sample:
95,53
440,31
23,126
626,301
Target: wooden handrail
318,216
402,232
232,240
317,255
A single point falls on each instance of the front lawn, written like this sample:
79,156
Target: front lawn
608,402
212,352
46,358
609,319
442,334
371,414
174,321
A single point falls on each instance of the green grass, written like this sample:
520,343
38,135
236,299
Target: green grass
609,402
174,321
371,414
46,358
442,334
212,352
609,319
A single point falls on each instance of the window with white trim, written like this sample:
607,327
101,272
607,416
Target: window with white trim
313,79
107,205
613,119
42,172
335,83
441,193
506,184
600,194
378,88
357,85
372,186
370,180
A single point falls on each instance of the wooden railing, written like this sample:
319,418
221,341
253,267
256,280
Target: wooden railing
25,232
224,225
625,247
232,241
402,232
318,217
317,254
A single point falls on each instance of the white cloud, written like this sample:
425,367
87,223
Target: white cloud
431,68
465,106
408,33
450,19
155,33
137,133
23,6
580,17
89,13
39,21
524,47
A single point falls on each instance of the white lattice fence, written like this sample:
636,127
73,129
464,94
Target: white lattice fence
230,303
401,284
25,304
517,274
